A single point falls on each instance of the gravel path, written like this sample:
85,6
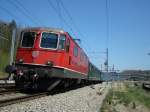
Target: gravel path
86,99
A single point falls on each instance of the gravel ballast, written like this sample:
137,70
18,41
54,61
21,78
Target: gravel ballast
86,99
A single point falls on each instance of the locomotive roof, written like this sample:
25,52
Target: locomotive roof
45,28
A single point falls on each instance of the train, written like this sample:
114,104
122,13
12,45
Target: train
50,57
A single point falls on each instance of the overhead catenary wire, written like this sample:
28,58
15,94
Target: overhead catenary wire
22,11
94,52
74,24
107,23
59,2
64,21
107,34
81,34
29,13
86,47
3,37
59,12
8,12
70,17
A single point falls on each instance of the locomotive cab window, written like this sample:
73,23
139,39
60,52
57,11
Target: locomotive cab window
62,40
49,40
28,39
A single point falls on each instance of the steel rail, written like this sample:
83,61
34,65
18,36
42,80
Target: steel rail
6,91
22,99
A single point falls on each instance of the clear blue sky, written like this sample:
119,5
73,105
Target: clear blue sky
129,26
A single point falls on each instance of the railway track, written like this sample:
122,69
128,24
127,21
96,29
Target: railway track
16,96
7,91
24,98
7,84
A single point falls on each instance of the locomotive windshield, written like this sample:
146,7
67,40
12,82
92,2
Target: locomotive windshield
49,40
28,39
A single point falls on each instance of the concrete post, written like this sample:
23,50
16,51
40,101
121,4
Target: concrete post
12,49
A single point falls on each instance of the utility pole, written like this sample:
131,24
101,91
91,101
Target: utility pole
107,33
107,59
113,68
106,62
101,67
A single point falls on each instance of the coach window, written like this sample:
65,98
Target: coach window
75,51
62,40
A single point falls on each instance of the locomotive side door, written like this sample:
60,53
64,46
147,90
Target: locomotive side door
68,57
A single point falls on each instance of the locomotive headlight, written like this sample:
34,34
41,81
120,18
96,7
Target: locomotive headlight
50,63
35,54
20,60
20,72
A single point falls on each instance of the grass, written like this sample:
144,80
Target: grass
108,103
3,75
4,60
130,97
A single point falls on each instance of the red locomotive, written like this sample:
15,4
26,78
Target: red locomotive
47,57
